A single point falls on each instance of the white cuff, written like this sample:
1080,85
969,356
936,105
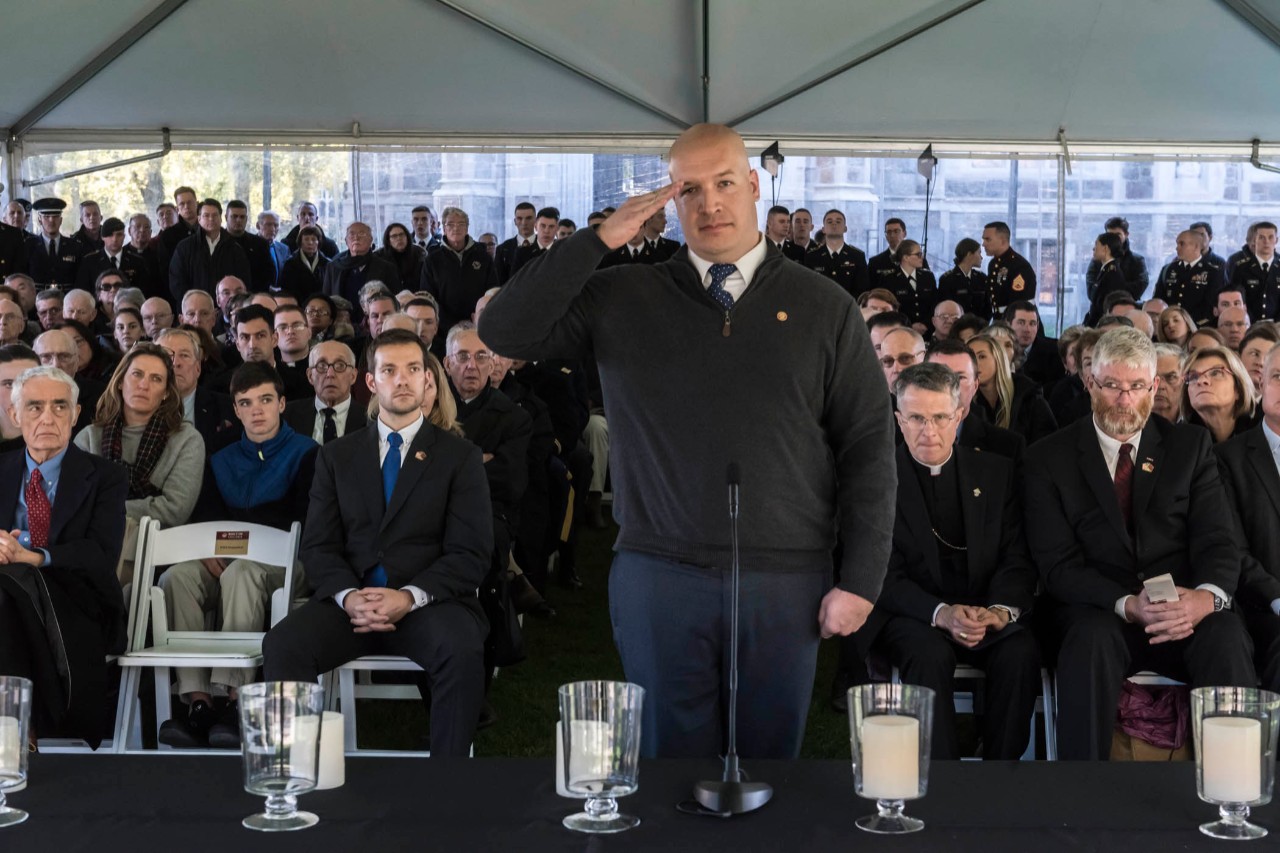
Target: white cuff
420,596
1275,606
1120,602
1014,612
342,596
933,620
1217,590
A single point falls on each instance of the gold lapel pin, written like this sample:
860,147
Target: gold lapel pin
977,493
421,455
782,316
1148,466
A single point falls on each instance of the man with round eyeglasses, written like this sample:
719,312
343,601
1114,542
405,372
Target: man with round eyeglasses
331,414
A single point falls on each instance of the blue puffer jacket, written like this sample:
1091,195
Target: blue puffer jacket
251,475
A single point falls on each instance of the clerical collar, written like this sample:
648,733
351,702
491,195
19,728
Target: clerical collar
934,470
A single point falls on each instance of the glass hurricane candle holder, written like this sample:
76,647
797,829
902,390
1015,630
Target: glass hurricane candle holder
890,726
600,725
280,742
1235,731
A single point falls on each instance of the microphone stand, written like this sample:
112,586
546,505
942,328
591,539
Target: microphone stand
731,795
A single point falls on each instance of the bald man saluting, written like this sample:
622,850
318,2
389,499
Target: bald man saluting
726,353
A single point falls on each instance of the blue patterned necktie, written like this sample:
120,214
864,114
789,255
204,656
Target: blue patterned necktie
719,274
377,576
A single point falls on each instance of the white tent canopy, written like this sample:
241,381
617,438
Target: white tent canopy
1137,73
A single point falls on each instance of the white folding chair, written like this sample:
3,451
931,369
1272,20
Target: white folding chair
113,744
171,649
1045,706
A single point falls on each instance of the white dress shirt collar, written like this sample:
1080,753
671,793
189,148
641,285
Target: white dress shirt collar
739,280
1111,447
407,434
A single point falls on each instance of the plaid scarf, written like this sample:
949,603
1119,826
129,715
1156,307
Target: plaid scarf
150,447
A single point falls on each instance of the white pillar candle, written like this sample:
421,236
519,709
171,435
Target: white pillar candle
333,768
560,772
1231,759
11,746
302,746
590,743
890,757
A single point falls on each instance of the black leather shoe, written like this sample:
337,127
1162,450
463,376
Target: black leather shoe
225,734
191,733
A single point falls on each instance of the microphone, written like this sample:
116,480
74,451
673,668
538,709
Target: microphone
731,795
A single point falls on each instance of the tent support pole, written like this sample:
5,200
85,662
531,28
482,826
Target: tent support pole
1251,16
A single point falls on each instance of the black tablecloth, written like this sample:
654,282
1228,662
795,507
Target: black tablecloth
144,803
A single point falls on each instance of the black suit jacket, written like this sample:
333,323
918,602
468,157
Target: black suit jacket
302,414
215,419
979,435
1000,570
436,533
1181,518
1253,488
86,533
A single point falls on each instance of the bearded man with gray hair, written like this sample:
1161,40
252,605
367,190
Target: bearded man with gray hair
1116,500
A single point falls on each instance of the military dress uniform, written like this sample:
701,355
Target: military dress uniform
13,250
131,265
917,294
662,248
54,262
795,251
847,268
968,291
1192,287
1010,278
883,268
1261,285
629,254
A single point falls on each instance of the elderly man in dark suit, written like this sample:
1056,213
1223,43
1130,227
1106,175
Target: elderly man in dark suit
1112,501
1250,467
395,557
332,412
61,608
960,577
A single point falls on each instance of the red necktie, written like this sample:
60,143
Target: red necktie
1124,484
38,510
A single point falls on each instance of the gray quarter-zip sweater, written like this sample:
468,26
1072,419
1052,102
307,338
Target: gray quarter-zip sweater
786,385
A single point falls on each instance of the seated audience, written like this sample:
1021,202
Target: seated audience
1041,362
138,424
128,328
331,414
1170,369
1248,464
877,300
968,327
1070,399
61,608
958,595
14,359
1257,342
1218,394
1008,401
157,314
264,478
394,557
350,270
1205,336
57,348
210,412
1111,501
973,430
1175,326
899,349
945,315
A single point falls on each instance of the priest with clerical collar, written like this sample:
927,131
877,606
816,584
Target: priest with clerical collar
960,578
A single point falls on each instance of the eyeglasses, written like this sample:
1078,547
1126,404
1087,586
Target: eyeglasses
481,358
58,357
1173,377
1116,389
338,367
291,327
110,285
906,359
317,312
939,422
1213,374
951,317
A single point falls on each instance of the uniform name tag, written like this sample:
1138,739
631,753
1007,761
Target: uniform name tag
231,543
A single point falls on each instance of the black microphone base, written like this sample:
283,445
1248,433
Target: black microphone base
732,797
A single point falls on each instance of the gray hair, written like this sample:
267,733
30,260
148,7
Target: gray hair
44,371
929,376
198,294
347,353
458,330
371,288
81,295
1126,347
1172,350
129,296
455,211
49,293
163,334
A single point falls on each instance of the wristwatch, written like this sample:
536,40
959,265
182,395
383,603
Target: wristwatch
1219,603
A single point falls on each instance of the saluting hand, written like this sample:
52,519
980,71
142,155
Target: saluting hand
627,219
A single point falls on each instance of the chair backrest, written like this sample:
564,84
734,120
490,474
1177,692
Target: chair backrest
227,539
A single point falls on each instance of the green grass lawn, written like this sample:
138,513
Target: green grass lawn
575,645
